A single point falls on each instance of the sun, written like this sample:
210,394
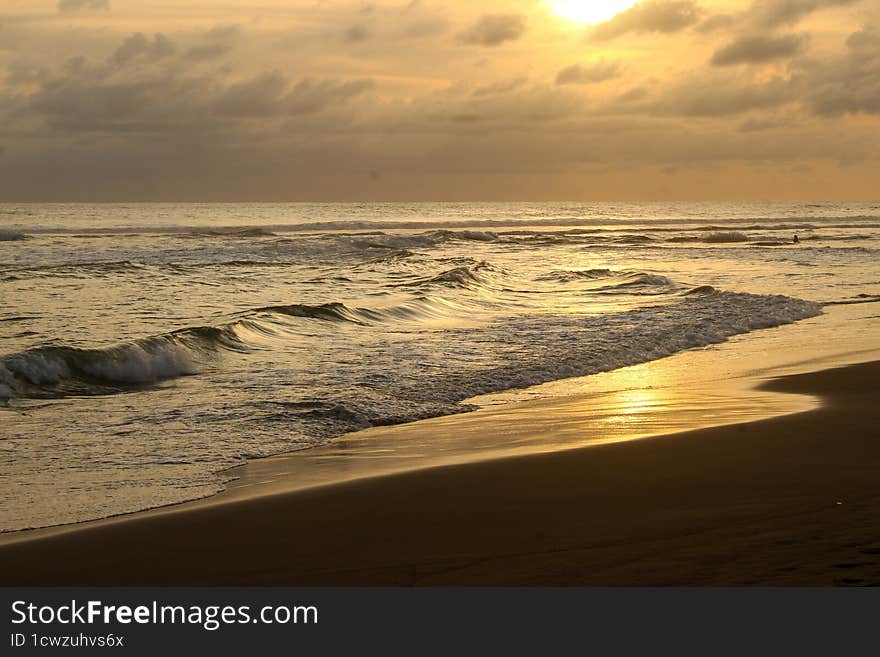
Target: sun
589,11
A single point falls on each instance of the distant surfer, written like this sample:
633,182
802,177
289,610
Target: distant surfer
796,240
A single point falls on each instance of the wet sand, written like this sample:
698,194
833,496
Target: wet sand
790,500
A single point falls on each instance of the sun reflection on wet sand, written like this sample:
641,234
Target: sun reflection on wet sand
632,403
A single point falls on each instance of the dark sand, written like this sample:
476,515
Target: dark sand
792,500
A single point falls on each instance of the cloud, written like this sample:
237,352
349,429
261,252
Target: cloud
501,87
356,34
724,95
259,96
376,29
633,95
138,46
169,97
270,94
511,105
776,13
218,42
590,73
525,107
386,24
765,15
847,84
21,73
424,27
311,96
494,29
718,22
758,49
761,124
67,6
98,113
664,16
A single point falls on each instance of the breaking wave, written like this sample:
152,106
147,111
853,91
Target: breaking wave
537,349
569,275
547,347
605,281
725,237
470,276
330,312
60,371
640,280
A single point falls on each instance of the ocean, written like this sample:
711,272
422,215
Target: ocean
145,349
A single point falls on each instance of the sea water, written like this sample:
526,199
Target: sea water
147,348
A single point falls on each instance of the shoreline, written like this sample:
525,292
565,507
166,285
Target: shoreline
561,415
773,501
572,413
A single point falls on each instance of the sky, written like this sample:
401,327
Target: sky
422,100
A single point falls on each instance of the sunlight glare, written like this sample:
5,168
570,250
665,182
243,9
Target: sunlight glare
589,11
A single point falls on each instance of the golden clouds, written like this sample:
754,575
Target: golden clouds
273,98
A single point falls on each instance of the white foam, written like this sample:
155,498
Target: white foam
146,361
154,361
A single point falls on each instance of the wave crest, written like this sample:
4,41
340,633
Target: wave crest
330,312
59,371
569,275
725,237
